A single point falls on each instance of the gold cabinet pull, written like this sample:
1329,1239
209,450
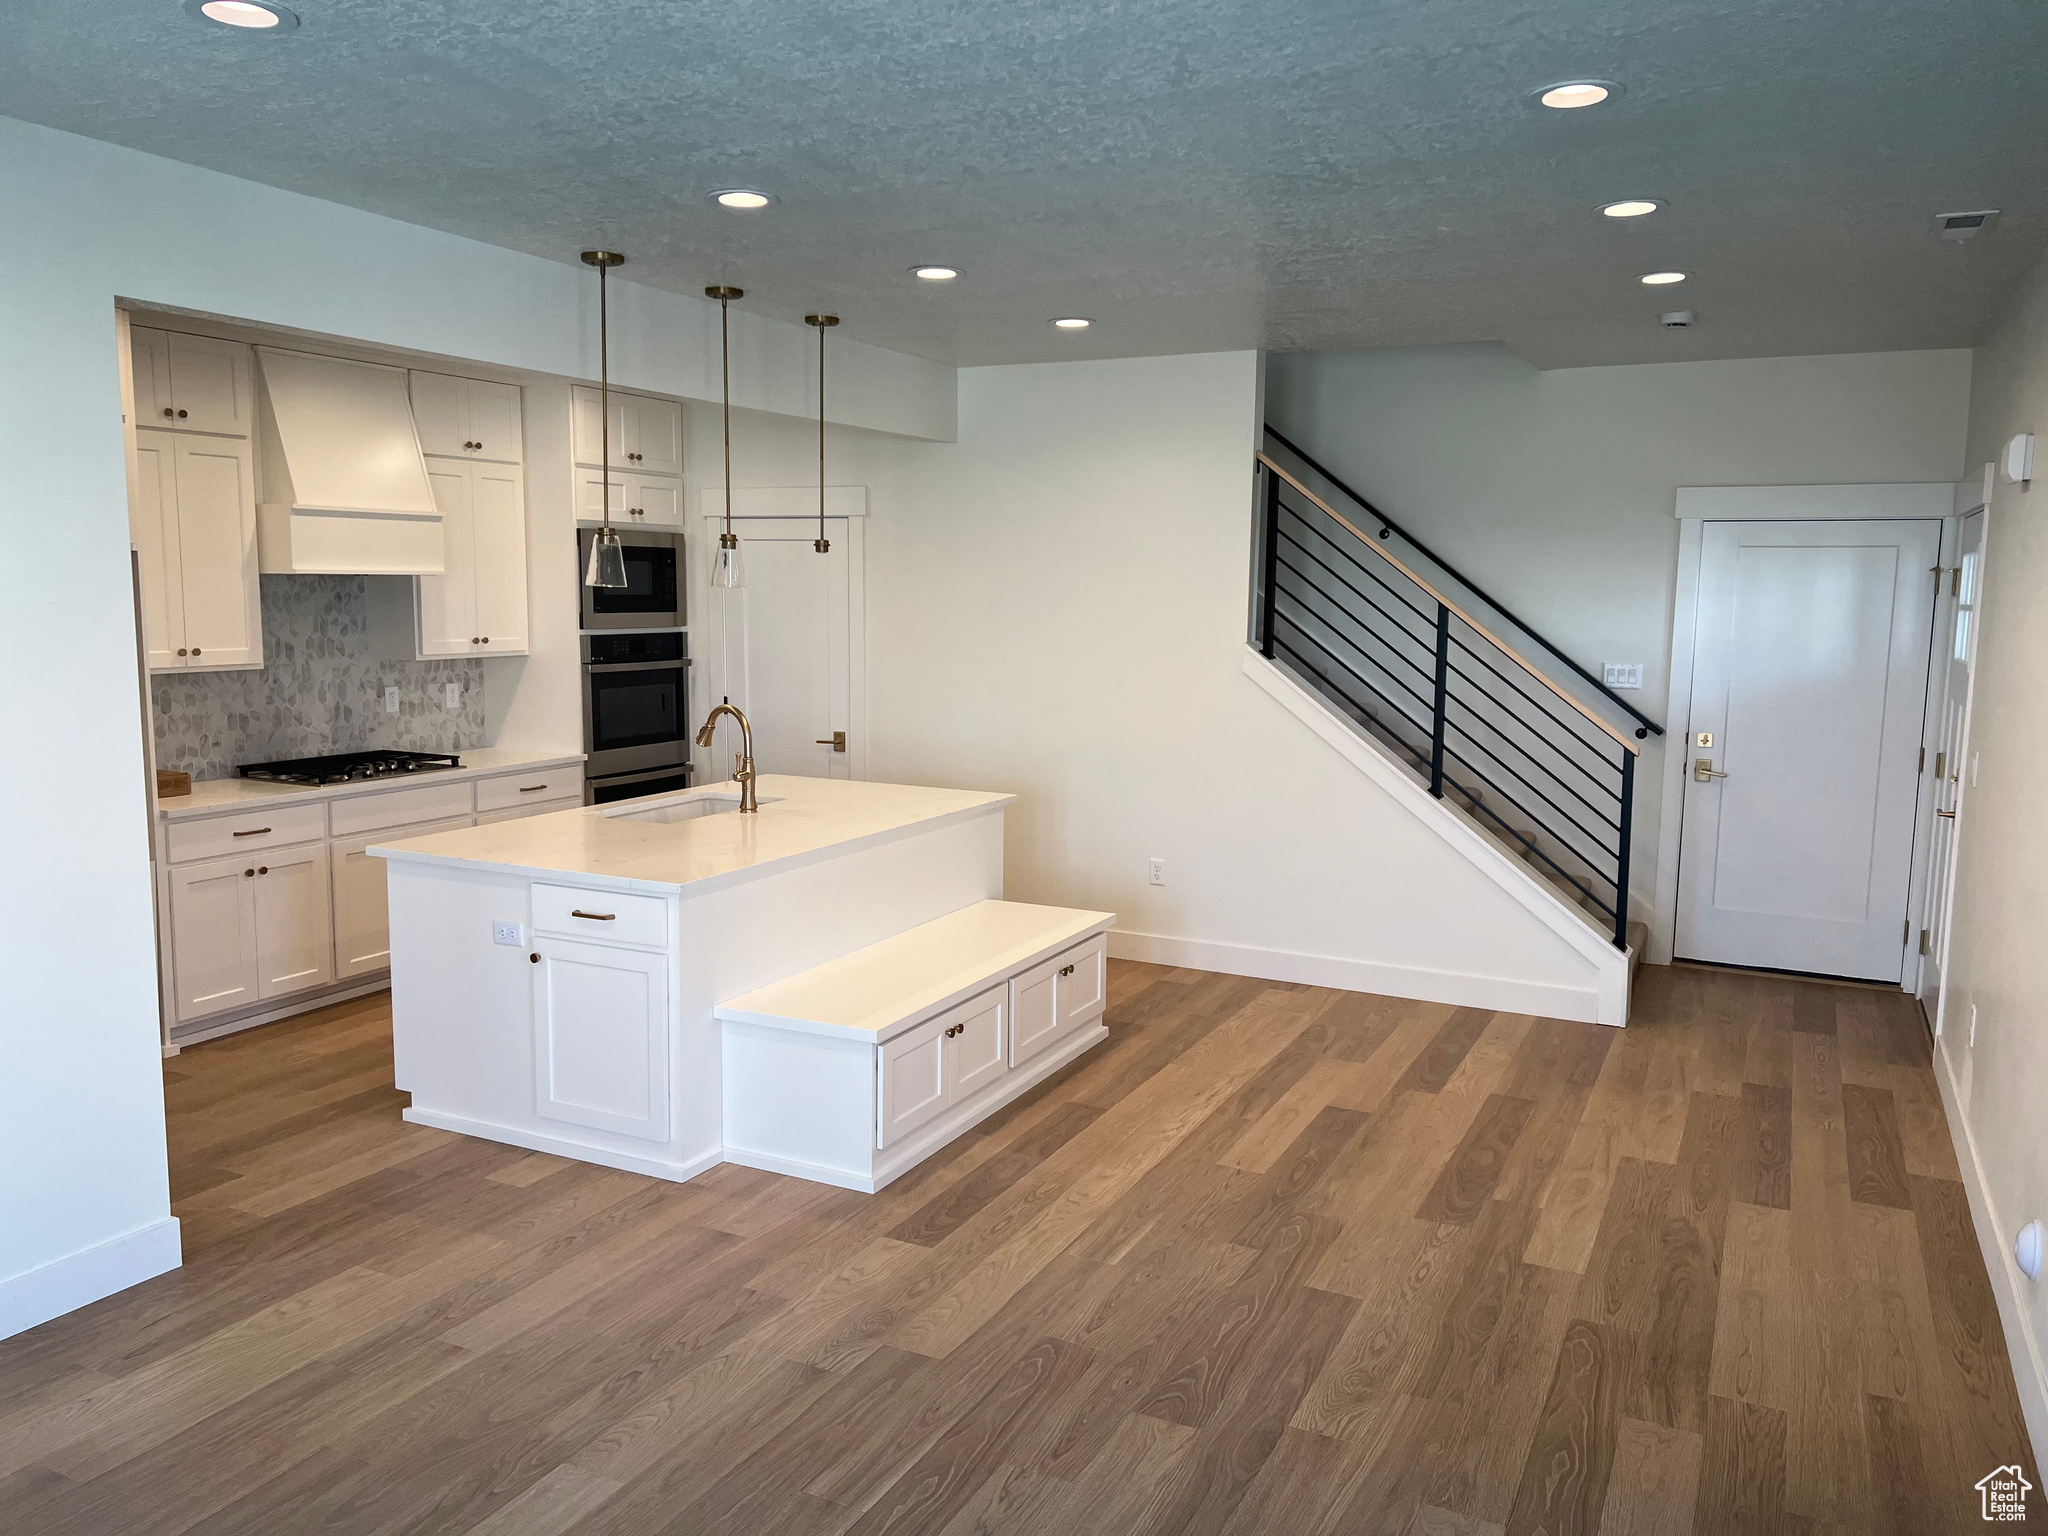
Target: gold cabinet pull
595,917
253,832
1066,970
528,789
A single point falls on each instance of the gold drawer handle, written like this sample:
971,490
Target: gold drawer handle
595,917
1066,970
530,788
255,832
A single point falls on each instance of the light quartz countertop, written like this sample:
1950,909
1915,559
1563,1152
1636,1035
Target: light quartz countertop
210,797
799,818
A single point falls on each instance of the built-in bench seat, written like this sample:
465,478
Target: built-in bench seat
859,1068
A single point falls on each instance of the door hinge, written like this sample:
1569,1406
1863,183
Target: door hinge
1923,941
1907,936
1923,760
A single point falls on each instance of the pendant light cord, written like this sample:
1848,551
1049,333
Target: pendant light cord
604,395
725,395
822,544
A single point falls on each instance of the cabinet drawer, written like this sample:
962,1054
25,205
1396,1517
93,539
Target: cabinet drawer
601,917
245,833
521,812
530,788
401,807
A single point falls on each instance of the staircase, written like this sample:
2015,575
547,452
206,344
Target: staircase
1495,721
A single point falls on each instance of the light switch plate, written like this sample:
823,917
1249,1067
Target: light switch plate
513,934
1624,674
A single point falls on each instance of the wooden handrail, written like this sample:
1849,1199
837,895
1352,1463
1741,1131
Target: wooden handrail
1499,644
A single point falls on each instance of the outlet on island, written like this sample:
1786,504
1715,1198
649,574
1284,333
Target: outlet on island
511,934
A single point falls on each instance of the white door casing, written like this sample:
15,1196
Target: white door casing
1948,773
1809,679
787,647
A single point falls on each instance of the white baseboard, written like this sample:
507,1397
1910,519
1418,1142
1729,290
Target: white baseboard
69,1283
272,1013
1498,993
2007,1283
562,1146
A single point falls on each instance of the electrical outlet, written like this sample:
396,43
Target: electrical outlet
513,934
1158,872
454,695
390,701
1624,674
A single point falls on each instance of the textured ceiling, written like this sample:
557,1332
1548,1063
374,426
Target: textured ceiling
1197,175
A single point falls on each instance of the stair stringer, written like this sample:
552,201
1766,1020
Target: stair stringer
1611,967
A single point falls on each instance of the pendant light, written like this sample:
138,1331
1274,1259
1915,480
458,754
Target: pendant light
607,555
821,544
725,565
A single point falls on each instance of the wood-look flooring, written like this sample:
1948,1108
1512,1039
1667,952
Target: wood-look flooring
1272,1259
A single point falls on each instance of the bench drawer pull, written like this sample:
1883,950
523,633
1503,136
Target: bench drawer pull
1066,970
595,917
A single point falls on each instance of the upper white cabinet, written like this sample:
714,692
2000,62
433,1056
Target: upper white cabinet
194,528
467,418
638,501
478,607
647,434
191,383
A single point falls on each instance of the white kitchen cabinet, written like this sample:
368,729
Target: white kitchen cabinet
942,1062
191,383
467,418
600,1036
638,501
1050,1001
213,936
647,434
194,527
362,921
479,606
294,921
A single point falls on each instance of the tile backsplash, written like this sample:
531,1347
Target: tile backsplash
320,690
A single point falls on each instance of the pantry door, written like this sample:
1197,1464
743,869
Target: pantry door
785,647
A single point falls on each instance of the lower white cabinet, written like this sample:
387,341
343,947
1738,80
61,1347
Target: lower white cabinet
1053,999
213,936
600,1036
294,921
362,923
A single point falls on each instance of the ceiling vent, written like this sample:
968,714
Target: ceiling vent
1964,226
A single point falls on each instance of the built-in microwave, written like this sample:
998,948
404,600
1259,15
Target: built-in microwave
636,712
653,596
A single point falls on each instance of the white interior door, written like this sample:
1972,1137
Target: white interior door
1952,746
784,647
1809,686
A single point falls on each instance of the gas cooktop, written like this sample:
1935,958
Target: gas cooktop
347,767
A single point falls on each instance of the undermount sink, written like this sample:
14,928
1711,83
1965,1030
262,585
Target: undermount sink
691,806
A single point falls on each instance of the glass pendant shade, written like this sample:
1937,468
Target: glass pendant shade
726,571
607,560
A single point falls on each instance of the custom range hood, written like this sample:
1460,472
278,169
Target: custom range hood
344,488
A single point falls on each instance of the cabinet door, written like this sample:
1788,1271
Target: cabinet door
362,922
494,421
650,433
652,501
210,385
911,1078
153,526
294,921
448,602
149,354
216,522
975,1044
589,504
600,1037
585,440
1080,976
1034,1011
213,936
497,516
440,413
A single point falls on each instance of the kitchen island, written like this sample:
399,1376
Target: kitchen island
830,987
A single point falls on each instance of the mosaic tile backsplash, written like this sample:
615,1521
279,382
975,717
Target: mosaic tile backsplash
320,690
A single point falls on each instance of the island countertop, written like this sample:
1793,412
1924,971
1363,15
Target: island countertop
799,818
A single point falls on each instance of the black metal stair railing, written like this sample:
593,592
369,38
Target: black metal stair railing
1422,670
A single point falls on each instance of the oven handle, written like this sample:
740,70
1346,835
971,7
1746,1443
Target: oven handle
634,666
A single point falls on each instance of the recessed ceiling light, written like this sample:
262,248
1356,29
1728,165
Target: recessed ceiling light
935,274
1567,94
1631,207
1073,323
741,197
1660,279
245,15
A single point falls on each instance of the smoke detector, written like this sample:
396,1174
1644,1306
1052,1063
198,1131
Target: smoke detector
1675,319
1964,226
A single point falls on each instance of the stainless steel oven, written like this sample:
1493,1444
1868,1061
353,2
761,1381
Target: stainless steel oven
654,595
636,713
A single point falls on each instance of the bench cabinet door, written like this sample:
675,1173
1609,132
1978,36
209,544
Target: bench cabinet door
975,1044
911,1078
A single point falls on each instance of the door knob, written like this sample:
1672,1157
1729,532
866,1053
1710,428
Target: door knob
169,412
1946,815
836,741
1703,771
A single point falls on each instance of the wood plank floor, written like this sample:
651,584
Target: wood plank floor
1272,1259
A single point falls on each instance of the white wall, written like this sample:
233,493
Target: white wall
1998,964
84,1206
1057,607
1555,491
